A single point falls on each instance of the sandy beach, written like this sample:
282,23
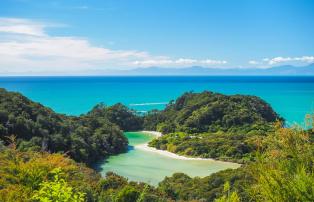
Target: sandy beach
154,133
145,147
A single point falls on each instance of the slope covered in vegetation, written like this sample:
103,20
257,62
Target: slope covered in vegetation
211,112
182,187
212,125
282,172
33,176
86,138
120,115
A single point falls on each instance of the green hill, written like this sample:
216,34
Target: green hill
212,125
86,138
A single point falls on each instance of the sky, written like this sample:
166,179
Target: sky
81,36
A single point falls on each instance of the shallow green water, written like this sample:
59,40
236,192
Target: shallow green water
150,167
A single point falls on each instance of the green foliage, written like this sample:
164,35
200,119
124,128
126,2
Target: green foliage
116,188
127,194
211,112
57,190
237,147
213,125
182,187
22,174
86,138
32,176
228,197
284,170
2,147
152,119
120,115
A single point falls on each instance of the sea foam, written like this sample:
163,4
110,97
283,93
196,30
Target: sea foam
149,103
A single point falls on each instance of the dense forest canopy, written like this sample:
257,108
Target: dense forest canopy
211,112
120,115
213,125
86,138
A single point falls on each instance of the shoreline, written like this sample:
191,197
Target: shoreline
145,147
154,133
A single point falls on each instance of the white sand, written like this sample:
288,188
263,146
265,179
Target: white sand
154,133
145,147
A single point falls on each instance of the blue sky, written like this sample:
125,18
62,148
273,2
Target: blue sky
80,36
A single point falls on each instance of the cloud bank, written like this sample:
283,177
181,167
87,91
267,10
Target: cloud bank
268,62
278,60
180,61
26,47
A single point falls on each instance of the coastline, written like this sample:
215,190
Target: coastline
145,147
154,133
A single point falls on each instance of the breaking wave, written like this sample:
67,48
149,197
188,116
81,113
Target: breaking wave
149,103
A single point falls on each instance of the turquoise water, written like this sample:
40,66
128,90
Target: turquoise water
150,167
291,97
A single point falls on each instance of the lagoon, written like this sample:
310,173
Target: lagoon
152,167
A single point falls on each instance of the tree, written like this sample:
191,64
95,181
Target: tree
128,194
228,196
57,190
284,170
38,128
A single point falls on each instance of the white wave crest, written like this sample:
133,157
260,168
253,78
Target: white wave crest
149,103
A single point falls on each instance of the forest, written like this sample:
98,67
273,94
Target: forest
46,156
212,125
86,138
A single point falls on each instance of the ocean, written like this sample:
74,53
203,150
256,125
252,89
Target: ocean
291,97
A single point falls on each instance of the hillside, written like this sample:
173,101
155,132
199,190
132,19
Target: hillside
211,112
42,177
212,125
286,160
86,138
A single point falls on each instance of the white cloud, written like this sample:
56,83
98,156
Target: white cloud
25,46
179,62
303,59
253,62
268,62
21,26
214,62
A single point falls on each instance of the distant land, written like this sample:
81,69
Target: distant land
285,70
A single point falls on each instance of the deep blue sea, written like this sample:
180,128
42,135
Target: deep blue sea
291,97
